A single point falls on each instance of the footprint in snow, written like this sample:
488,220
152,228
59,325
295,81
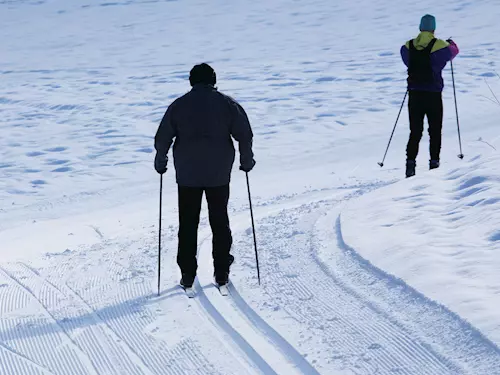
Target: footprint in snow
56,149
495,237
35,153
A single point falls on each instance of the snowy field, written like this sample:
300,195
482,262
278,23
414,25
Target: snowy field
363,271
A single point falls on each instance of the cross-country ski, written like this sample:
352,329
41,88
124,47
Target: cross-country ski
190,292
223,289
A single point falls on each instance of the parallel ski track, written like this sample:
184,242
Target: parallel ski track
93,339
51,336
371,342
229,335
107,351
124,313
367,339
262,345
111,340
352,320
264,348
361,329
267,331
13,362
127,322
479,354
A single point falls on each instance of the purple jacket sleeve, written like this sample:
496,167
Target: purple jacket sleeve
442,56
453,49
405,55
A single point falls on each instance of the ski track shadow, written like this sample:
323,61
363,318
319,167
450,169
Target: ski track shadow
271,334
165,294
218,320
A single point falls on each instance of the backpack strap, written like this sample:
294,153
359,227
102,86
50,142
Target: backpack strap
431,45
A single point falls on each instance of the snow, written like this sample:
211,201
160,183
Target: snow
440,234
363,272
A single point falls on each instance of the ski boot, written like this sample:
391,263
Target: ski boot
433,164
187,281
223,278
410,168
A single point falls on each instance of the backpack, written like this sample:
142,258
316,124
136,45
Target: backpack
420,66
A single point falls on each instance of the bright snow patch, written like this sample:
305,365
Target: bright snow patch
440,233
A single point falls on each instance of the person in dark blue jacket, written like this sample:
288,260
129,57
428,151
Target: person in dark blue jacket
204,123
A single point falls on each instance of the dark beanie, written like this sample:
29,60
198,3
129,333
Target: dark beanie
202,73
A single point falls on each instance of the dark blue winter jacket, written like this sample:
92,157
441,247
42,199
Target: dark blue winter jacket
202,123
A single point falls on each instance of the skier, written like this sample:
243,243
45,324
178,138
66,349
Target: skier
202,123
426,57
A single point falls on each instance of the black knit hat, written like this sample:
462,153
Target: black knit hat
202,73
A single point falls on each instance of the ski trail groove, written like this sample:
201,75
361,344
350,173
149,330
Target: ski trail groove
130,351
481,352
365,338
41,369
125,311
84,358
269,350
405,341
218,320
361,327
120,360
267,331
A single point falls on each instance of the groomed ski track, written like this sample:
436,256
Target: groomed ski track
321,308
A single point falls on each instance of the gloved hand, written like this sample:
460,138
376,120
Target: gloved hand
248,167
450,41
161,163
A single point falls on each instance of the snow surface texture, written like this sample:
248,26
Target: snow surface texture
440,234
358,277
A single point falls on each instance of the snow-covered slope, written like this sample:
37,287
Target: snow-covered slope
84,84
440,233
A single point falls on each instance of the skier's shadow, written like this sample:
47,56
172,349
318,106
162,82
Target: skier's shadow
27,328
165,294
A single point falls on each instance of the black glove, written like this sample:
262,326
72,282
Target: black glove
450,41
248,167
161,162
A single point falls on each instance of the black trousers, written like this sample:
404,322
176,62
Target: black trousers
190,200
421,104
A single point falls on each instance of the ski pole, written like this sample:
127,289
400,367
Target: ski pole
461,155
253,228
159,236
393,130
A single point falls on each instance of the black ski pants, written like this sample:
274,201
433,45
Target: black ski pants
421,104
190,200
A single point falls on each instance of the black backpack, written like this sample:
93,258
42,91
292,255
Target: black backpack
420,67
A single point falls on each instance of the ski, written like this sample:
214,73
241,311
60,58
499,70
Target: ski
190,292
223,289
